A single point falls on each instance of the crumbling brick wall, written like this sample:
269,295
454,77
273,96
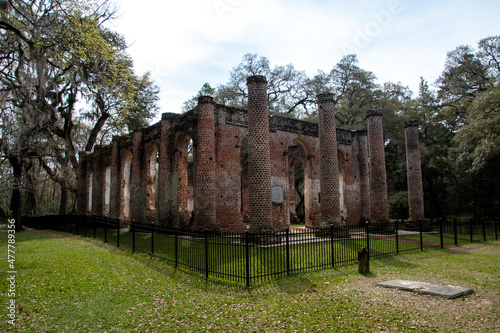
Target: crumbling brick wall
221,181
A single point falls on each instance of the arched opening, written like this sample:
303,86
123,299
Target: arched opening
152,183
125,186
185,172
107,190
298,201
244,195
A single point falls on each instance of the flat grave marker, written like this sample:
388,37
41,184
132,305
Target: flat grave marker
446,291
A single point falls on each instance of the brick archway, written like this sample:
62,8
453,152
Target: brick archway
185,165
152,182
126,180
298,170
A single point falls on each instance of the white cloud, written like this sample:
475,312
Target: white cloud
186,43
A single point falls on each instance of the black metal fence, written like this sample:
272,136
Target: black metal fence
249,257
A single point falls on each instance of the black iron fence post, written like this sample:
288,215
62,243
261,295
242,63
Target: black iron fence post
287,233
397,236
85,224
455,236
470,230
332,246
206,253
247,257
152,238
95,227
175,246
421,227
441,236
132,225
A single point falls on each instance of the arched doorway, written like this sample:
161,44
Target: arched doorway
125,186
107,190
298,181
152,183
185,185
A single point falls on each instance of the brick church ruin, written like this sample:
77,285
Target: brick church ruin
219,167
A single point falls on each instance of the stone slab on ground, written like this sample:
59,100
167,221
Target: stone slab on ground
446,291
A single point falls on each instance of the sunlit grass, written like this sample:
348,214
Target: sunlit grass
73,284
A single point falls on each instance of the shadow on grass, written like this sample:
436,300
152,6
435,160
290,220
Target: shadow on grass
369,275
28,235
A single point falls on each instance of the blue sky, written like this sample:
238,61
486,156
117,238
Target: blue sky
187,43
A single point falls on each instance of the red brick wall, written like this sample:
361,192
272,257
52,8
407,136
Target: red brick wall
356,185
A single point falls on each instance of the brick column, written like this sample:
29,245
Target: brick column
115,188
259,165
97,183
137,193
329,167
205,187
378,179
364,175
414,172
165,175
83,189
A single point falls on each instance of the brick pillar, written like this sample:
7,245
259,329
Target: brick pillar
259,165
378,179
83,190
329,166
364,175
165,175
205,186
97,183
137,193
414,170
115,186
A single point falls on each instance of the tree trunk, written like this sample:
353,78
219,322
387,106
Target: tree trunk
30,192
64,199
16,199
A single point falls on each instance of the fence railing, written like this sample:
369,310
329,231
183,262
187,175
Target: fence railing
252,257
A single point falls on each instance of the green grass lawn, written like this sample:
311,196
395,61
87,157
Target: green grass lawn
73,284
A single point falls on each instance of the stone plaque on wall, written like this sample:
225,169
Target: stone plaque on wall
277,194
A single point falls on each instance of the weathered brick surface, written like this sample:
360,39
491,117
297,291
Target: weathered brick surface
229,177
378,179
259,165
414,170
329,166
361,153
225,187
165,174
205,187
